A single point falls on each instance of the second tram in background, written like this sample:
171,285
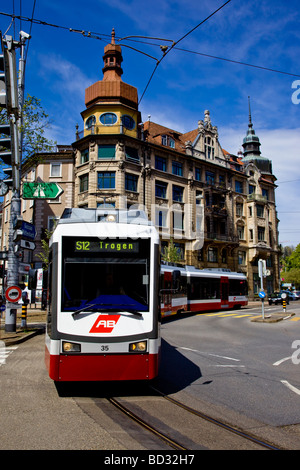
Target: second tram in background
190,289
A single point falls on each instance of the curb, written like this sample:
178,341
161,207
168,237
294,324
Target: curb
23,336
274,318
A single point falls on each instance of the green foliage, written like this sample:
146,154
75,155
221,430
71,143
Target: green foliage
291,267
170,253
35,123
44,254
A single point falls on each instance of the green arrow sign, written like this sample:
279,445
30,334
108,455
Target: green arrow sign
41,190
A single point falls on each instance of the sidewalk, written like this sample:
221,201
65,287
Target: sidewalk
36,320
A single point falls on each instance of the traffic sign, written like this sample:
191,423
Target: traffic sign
13,294
262,294
27,245
41,190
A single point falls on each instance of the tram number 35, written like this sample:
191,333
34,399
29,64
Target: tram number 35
104,348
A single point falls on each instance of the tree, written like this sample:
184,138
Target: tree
170,253
291,267
35,123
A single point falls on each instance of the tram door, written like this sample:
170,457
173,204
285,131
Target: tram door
224,287
166,293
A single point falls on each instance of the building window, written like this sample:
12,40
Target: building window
177,168
83,183
261,234
161,189
198,174
160,163
240,232
106,151
168,141
251,189
128,122
55,169
108,119
90,122
178,220
177,193
84,156
52,222
239,186
209,148
106,180
131,182
222,181
161,218
212,255
259,210
265,193
251,234
209,177
239,209
132,154
242,257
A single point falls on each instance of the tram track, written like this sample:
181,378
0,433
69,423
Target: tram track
197,431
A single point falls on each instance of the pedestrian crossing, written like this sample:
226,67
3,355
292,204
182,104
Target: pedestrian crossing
5,351
240,315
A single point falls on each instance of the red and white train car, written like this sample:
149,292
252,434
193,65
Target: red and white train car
196,290
103,313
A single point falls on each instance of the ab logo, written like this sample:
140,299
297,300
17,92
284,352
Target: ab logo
105,324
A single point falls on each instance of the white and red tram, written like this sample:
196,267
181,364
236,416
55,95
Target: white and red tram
190,289
103,314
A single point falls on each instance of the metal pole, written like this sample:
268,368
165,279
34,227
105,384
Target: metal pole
15,208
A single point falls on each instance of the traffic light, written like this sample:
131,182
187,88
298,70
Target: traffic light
8,171
6,143
8,76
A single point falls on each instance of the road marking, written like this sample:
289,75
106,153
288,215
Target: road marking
291,387
210,354
5,352
282,360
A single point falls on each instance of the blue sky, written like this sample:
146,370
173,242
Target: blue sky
265,33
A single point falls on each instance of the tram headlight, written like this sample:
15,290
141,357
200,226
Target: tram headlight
70,347
140,346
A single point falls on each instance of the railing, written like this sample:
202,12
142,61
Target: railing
221,237
257,197
106,129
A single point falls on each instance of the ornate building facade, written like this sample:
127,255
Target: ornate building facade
217,208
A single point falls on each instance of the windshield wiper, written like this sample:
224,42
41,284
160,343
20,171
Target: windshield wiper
107,310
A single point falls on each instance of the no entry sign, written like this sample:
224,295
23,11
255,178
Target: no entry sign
13,294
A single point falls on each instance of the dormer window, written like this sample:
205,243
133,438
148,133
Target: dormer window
168,141
90,122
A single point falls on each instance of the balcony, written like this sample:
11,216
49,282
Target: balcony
107,130
221,237
257,197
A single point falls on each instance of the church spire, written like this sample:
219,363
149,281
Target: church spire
251,143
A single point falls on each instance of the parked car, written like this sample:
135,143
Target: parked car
289,294
296,294
276,298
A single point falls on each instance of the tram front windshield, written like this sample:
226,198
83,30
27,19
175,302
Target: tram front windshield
102,275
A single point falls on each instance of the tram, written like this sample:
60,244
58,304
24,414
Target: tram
188,289
103,313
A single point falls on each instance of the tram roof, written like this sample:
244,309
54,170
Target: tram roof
122,216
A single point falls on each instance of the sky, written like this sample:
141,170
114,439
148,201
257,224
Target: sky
218,59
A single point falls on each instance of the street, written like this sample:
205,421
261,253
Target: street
238,370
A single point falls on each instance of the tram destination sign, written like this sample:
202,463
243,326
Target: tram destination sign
106,246
41,190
